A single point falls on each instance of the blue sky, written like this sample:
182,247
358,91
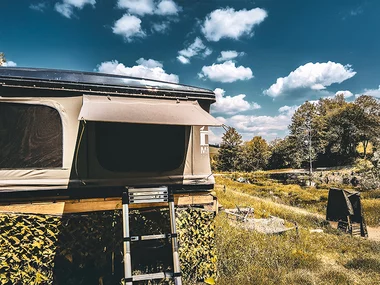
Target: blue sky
262,58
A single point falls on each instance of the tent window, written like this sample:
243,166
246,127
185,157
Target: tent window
30,136
124,147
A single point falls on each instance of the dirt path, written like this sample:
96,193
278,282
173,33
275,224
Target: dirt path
373,232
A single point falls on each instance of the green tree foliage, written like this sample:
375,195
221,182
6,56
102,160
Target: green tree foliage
344,125
2,59
335,128
327,132
369,123
282,155
306,134
229,150
254,154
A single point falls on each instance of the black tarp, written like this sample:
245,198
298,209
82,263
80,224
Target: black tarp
345,205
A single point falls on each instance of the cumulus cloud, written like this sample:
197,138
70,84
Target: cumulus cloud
229,55
150,63
9,63
346,93
254,123
370,92
269,127
138,7
66,7
183,59
167,7
226,72
146,68
288,110
228,23
129,27
149,7
40,7
196,48
231,105
162,27
314,76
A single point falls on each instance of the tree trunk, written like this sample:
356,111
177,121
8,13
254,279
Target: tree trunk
365,144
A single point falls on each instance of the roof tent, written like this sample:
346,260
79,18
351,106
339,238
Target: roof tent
83,134
345,206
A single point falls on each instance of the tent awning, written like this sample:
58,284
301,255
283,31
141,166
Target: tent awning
145,111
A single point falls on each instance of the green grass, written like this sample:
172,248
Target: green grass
248,257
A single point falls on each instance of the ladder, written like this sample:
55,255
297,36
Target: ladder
149,195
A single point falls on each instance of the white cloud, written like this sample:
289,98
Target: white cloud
138,7
66,7
167,7
150,63
346,93
183,59
269,127
193,49
197,47
370,92
215,135
228,55
260,123
228,23
226,72
314,76
231,104
150,69
288,110
40,7
129,27
149,7
161,27
9,63
207,52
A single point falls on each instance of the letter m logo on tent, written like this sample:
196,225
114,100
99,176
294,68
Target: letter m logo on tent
204,140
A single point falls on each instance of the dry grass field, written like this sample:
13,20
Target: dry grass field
303,257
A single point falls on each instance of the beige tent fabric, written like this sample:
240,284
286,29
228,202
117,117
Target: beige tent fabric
145,111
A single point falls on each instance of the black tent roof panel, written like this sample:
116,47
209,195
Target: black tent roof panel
93,82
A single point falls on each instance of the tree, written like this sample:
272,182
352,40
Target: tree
254,155
306,134
2,59
282,154
327,108
229,150
369,125
345,127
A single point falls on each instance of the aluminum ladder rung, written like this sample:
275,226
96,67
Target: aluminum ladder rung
139,190
151,276
149,237
148,195
143,201
151,196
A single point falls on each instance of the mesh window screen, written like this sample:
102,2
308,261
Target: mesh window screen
30,136
139,147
